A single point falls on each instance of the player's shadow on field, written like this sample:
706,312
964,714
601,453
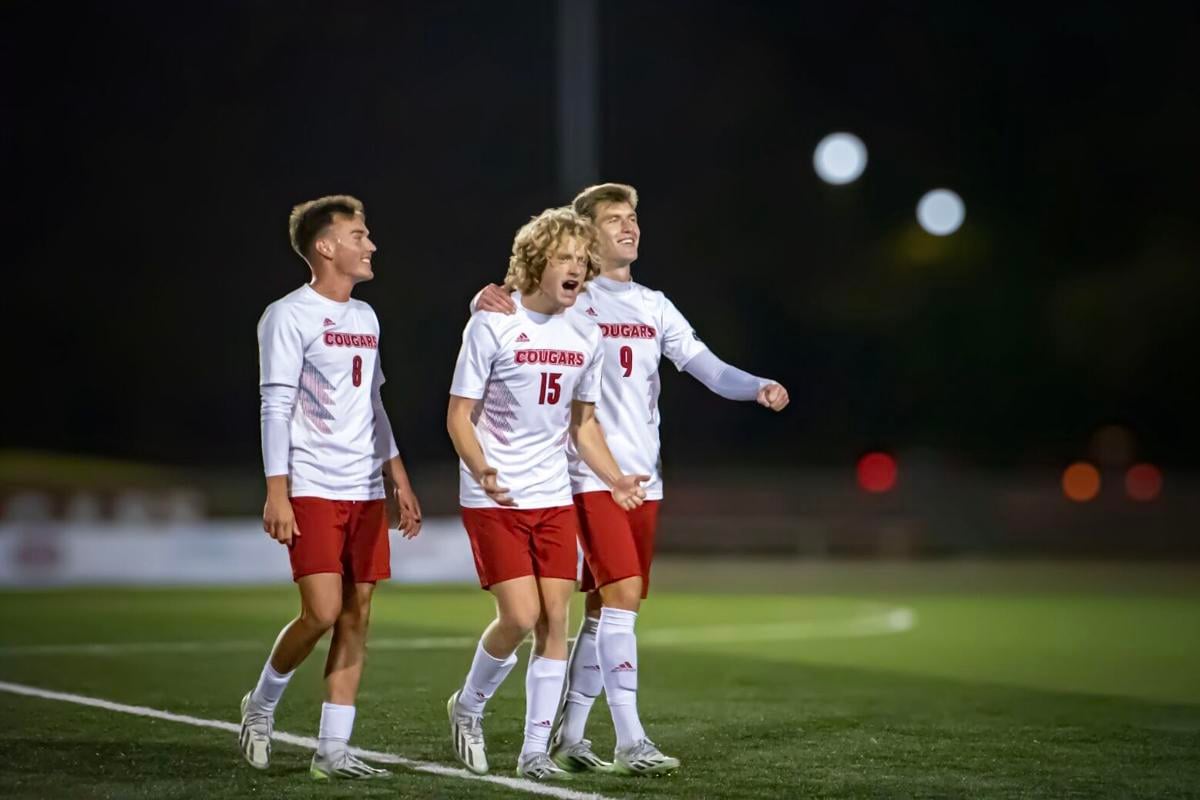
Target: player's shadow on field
136,762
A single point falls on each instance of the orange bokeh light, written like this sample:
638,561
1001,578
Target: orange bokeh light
876,472
1081,482
1143,482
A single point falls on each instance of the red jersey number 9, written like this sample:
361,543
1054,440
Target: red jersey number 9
627,360
356,371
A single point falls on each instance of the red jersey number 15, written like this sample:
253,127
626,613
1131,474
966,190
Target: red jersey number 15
551,390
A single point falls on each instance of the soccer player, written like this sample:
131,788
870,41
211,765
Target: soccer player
523,385
327,448
639,326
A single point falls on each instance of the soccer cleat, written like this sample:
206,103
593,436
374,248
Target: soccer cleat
255,736
577,757
539,767
341,765
643,758
466,734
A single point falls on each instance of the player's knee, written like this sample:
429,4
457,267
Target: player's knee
624,594
355,615
520,620
323,615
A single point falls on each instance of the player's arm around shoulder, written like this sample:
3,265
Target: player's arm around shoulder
497,299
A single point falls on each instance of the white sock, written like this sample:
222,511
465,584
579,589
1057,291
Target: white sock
584,683
269,689
486,674
543,687
336,724
616,645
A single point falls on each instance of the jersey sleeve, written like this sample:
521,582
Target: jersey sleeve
474,365
680,342
280,348
588,387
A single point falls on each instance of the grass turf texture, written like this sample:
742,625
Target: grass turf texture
1017,680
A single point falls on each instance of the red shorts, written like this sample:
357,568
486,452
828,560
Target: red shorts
616,543
513,543
349,537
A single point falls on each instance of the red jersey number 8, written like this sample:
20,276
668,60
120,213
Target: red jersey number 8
356,371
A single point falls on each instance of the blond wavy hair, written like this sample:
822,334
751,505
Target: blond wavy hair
537,238
586,201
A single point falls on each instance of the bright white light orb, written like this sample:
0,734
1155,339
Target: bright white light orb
840,158
941,212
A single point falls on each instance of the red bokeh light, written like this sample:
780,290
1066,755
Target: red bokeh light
877,472
1143,482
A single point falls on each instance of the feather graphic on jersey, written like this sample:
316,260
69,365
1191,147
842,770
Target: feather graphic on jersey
315,397
497,409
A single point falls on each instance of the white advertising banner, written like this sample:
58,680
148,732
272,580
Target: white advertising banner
208,552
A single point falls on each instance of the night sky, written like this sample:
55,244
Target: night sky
152,153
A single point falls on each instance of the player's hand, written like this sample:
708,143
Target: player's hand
404,510
495,298
279,520
773,396
628,492
491,484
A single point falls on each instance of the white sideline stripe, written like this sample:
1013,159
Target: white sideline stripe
520,784
880,623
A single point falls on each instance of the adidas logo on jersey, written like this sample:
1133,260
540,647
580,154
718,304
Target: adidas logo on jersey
329,322
522,337
592,312
624,666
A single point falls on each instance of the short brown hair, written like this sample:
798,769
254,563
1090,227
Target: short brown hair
307,220
536,238
586,201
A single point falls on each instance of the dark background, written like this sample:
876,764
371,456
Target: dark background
152,153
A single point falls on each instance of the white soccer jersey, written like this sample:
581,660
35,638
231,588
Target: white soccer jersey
639,326
526,368
328,351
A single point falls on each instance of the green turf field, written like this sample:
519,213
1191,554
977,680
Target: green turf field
767,679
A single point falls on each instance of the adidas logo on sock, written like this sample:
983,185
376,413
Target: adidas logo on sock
624,666
543,724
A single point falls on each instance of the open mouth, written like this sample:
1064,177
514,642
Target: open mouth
570,285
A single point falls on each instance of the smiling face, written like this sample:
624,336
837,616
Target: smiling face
565,272
347,244
617,224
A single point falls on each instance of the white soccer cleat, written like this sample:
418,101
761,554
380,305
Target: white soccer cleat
539,767
341,765
466,734
643,758
255,736
577,757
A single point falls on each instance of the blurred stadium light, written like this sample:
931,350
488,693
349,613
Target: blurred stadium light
840,158
1081,482
941,212
877,472
1143,482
